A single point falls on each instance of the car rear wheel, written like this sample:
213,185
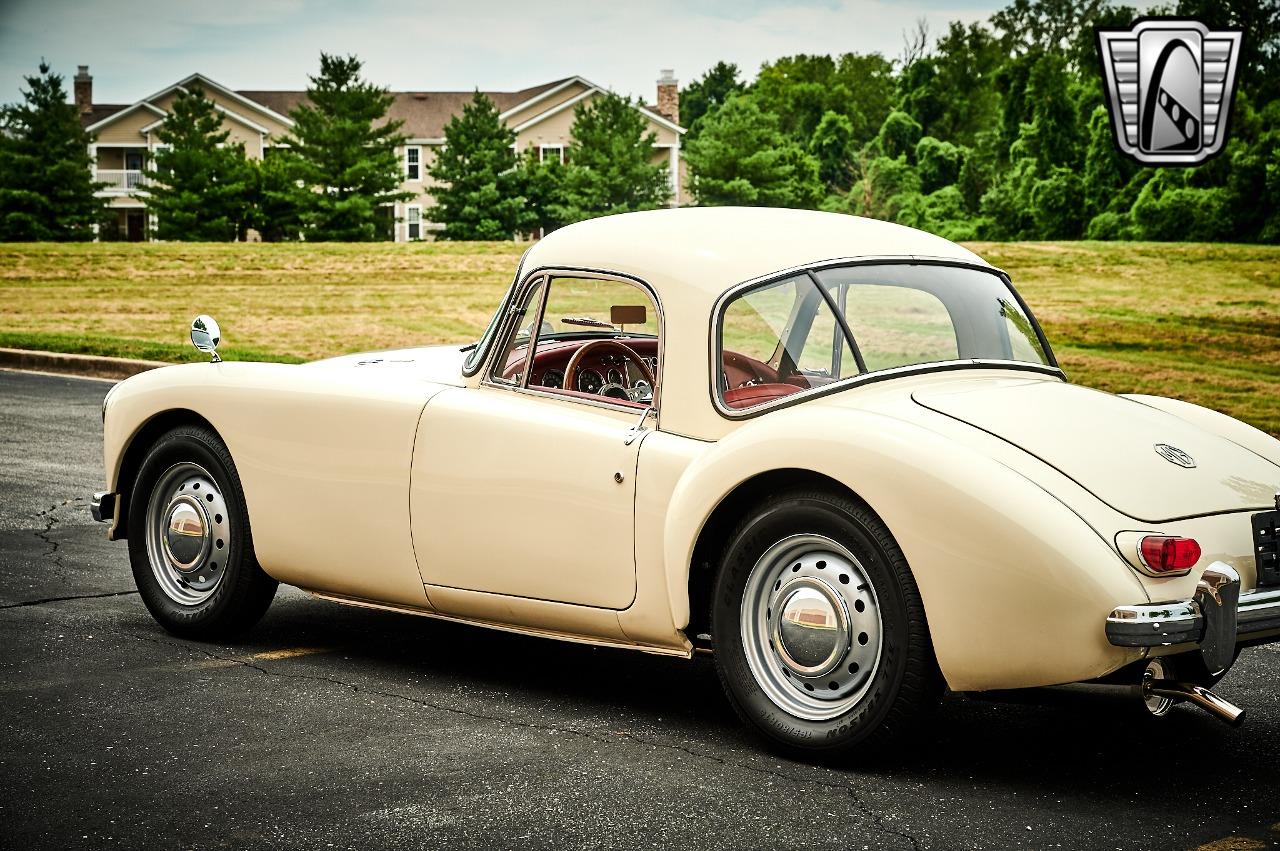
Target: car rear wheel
190,545
820,637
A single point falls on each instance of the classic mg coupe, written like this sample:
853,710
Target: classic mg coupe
837,454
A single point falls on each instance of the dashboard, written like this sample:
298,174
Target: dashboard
744,381
597,372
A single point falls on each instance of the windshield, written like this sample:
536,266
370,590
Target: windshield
807,331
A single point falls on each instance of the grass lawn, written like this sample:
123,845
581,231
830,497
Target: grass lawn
1197,322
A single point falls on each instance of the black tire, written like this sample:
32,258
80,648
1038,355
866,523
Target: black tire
906,684
244,591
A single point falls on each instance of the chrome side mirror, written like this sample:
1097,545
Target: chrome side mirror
205,335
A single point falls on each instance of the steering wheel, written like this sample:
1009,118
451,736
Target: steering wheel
575,363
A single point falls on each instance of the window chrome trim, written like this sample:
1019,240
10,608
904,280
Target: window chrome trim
810,269
481,348
551,273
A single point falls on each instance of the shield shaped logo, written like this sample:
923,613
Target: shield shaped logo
1169,84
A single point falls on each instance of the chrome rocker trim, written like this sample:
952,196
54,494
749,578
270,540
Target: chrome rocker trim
1216,618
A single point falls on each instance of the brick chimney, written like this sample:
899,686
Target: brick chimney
669,96
84,89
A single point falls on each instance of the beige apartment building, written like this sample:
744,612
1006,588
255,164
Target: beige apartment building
124,135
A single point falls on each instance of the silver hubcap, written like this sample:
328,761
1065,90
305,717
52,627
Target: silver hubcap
188,534
811,627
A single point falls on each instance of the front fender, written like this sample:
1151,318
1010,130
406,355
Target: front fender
323,458
1016,587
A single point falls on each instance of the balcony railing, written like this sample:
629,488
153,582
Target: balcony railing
122,180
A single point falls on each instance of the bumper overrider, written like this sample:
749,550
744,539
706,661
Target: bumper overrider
103,507
1216,619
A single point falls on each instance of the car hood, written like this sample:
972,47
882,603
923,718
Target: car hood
1116,448
438,364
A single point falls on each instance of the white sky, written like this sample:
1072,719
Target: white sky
134,47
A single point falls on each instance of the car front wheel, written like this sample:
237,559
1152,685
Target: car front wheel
190,545
820,637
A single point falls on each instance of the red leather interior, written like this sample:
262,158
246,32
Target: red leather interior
556,355
746,397
738,370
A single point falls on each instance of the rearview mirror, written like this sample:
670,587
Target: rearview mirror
628,314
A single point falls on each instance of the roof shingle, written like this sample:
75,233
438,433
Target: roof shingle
424,114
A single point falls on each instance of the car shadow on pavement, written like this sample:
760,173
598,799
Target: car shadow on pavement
1080,749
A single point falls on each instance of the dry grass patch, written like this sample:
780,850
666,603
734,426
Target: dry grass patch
1198,322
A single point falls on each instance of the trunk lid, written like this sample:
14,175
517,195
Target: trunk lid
1132,457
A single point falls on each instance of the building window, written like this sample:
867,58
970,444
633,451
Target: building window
413,221
551,152
413,163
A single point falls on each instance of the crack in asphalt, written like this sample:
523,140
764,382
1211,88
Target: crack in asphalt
50,517
859,804
44,600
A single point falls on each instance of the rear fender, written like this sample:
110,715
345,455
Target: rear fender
1016,586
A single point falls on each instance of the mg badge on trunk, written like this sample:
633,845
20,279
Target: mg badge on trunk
1174,455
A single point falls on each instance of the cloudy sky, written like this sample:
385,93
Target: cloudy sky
135,47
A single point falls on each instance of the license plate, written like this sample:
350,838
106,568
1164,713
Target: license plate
1266,547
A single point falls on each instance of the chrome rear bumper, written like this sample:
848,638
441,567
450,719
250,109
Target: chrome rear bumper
1216,618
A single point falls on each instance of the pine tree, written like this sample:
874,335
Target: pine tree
708,94
276,199
611,168
346,150
200,185
741,157
46,178
479,196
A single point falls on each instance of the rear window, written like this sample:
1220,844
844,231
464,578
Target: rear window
787,336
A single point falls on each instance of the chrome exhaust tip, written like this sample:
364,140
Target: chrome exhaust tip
1156,689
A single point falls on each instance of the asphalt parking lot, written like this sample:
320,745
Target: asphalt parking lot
336,727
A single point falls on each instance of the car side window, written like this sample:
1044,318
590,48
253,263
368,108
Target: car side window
897,326
509,367
585,336
780,338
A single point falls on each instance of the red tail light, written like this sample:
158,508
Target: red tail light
1167,555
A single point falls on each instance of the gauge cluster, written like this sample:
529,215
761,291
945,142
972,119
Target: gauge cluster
611,374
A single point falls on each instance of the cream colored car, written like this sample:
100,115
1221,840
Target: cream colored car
837,453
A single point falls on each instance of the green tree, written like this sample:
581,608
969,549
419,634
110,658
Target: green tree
1052,138
707,94
899,135
886,185
346,149
1169,210
1057,205
800,90
611,168
966,61
543,185
832,146
479,196
276,211
742,157
1105,170
921,97
46,185
201,186
939,163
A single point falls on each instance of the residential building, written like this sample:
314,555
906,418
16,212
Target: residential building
541,116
